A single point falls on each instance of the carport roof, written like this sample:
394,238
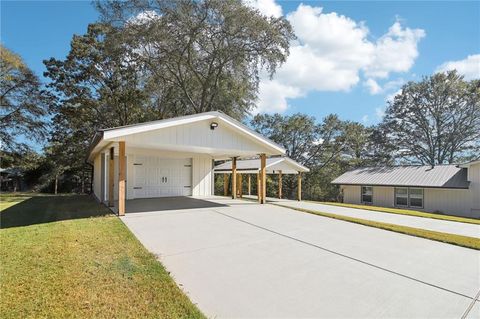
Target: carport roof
105,136
440,176
274,164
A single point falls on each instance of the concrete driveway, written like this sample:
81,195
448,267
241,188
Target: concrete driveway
238,259
444,226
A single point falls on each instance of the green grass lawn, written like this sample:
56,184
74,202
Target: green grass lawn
459,240
67,256
405,212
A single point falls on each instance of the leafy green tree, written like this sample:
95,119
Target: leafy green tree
24,103
317,146
201,55
435,121
96,87
296,133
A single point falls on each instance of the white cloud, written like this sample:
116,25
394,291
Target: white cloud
266,7
365,119
372,86
469,67
274,96
332,52
395,51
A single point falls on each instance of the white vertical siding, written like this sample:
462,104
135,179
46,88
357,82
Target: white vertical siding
202,176
130,177
448,201
474,178
351,194
383,196
196,135
97,176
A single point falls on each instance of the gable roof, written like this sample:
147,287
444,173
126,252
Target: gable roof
285,164
118,132
441,176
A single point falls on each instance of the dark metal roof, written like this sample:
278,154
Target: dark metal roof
441,176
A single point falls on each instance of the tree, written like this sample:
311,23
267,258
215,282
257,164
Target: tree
24,103
435,121
96,87
296,133
201,55
317,146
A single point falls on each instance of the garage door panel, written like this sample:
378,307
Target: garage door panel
158,177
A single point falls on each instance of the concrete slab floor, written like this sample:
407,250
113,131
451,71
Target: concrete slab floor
241,259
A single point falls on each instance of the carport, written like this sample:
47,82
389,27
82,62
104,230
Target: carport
275,166
172,157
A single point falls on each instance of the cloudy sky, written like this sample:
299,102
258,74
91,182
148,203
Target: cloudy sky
348,58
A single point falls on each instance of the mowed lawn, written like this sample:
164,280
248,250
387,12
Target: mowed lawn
67,256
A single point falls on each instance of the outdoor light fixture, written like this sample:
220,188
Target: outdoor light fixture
213,125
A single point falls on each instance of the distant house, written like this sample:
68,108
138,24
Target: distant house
446,189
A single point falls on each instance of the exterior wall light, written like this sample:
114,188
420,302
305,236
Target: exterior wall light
213,125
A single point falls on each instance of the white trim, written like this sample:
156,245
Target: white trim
304,169
275,161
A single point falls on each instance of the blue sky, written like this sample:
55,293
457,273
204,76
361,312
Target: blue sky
365,62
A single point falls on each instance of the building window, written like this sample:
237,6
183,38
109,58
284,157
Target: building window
415,197
367,194
409,197
401,197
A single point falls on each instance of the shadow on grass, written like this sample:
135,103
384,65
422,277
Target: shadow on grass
45,209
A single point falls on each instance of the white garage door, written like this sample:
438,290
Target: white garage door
160,177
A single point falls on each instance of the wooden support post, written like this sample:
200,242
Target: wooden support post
234,178
240,186
111,177
249,185
225,184
121,178
279,184
299,186
263,178
259,186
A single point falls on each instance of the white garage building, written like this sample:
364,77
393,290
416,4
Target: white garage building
172,157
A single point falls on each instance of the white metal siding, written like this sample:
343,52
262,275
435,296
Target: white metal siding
351,194
97,176
196,136
448,201
202,176
383,196
474,178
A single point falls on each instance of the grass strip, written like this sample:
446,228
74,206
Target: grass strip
459,240
407,212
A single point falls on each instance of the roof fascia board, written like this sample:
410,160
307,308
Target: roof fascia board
298,165
390,185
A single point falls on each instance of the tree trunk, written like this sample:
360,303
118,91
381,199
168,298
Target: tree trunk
56,184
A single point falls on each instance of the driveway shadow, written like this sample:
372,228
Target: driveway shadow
41,209
168,203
